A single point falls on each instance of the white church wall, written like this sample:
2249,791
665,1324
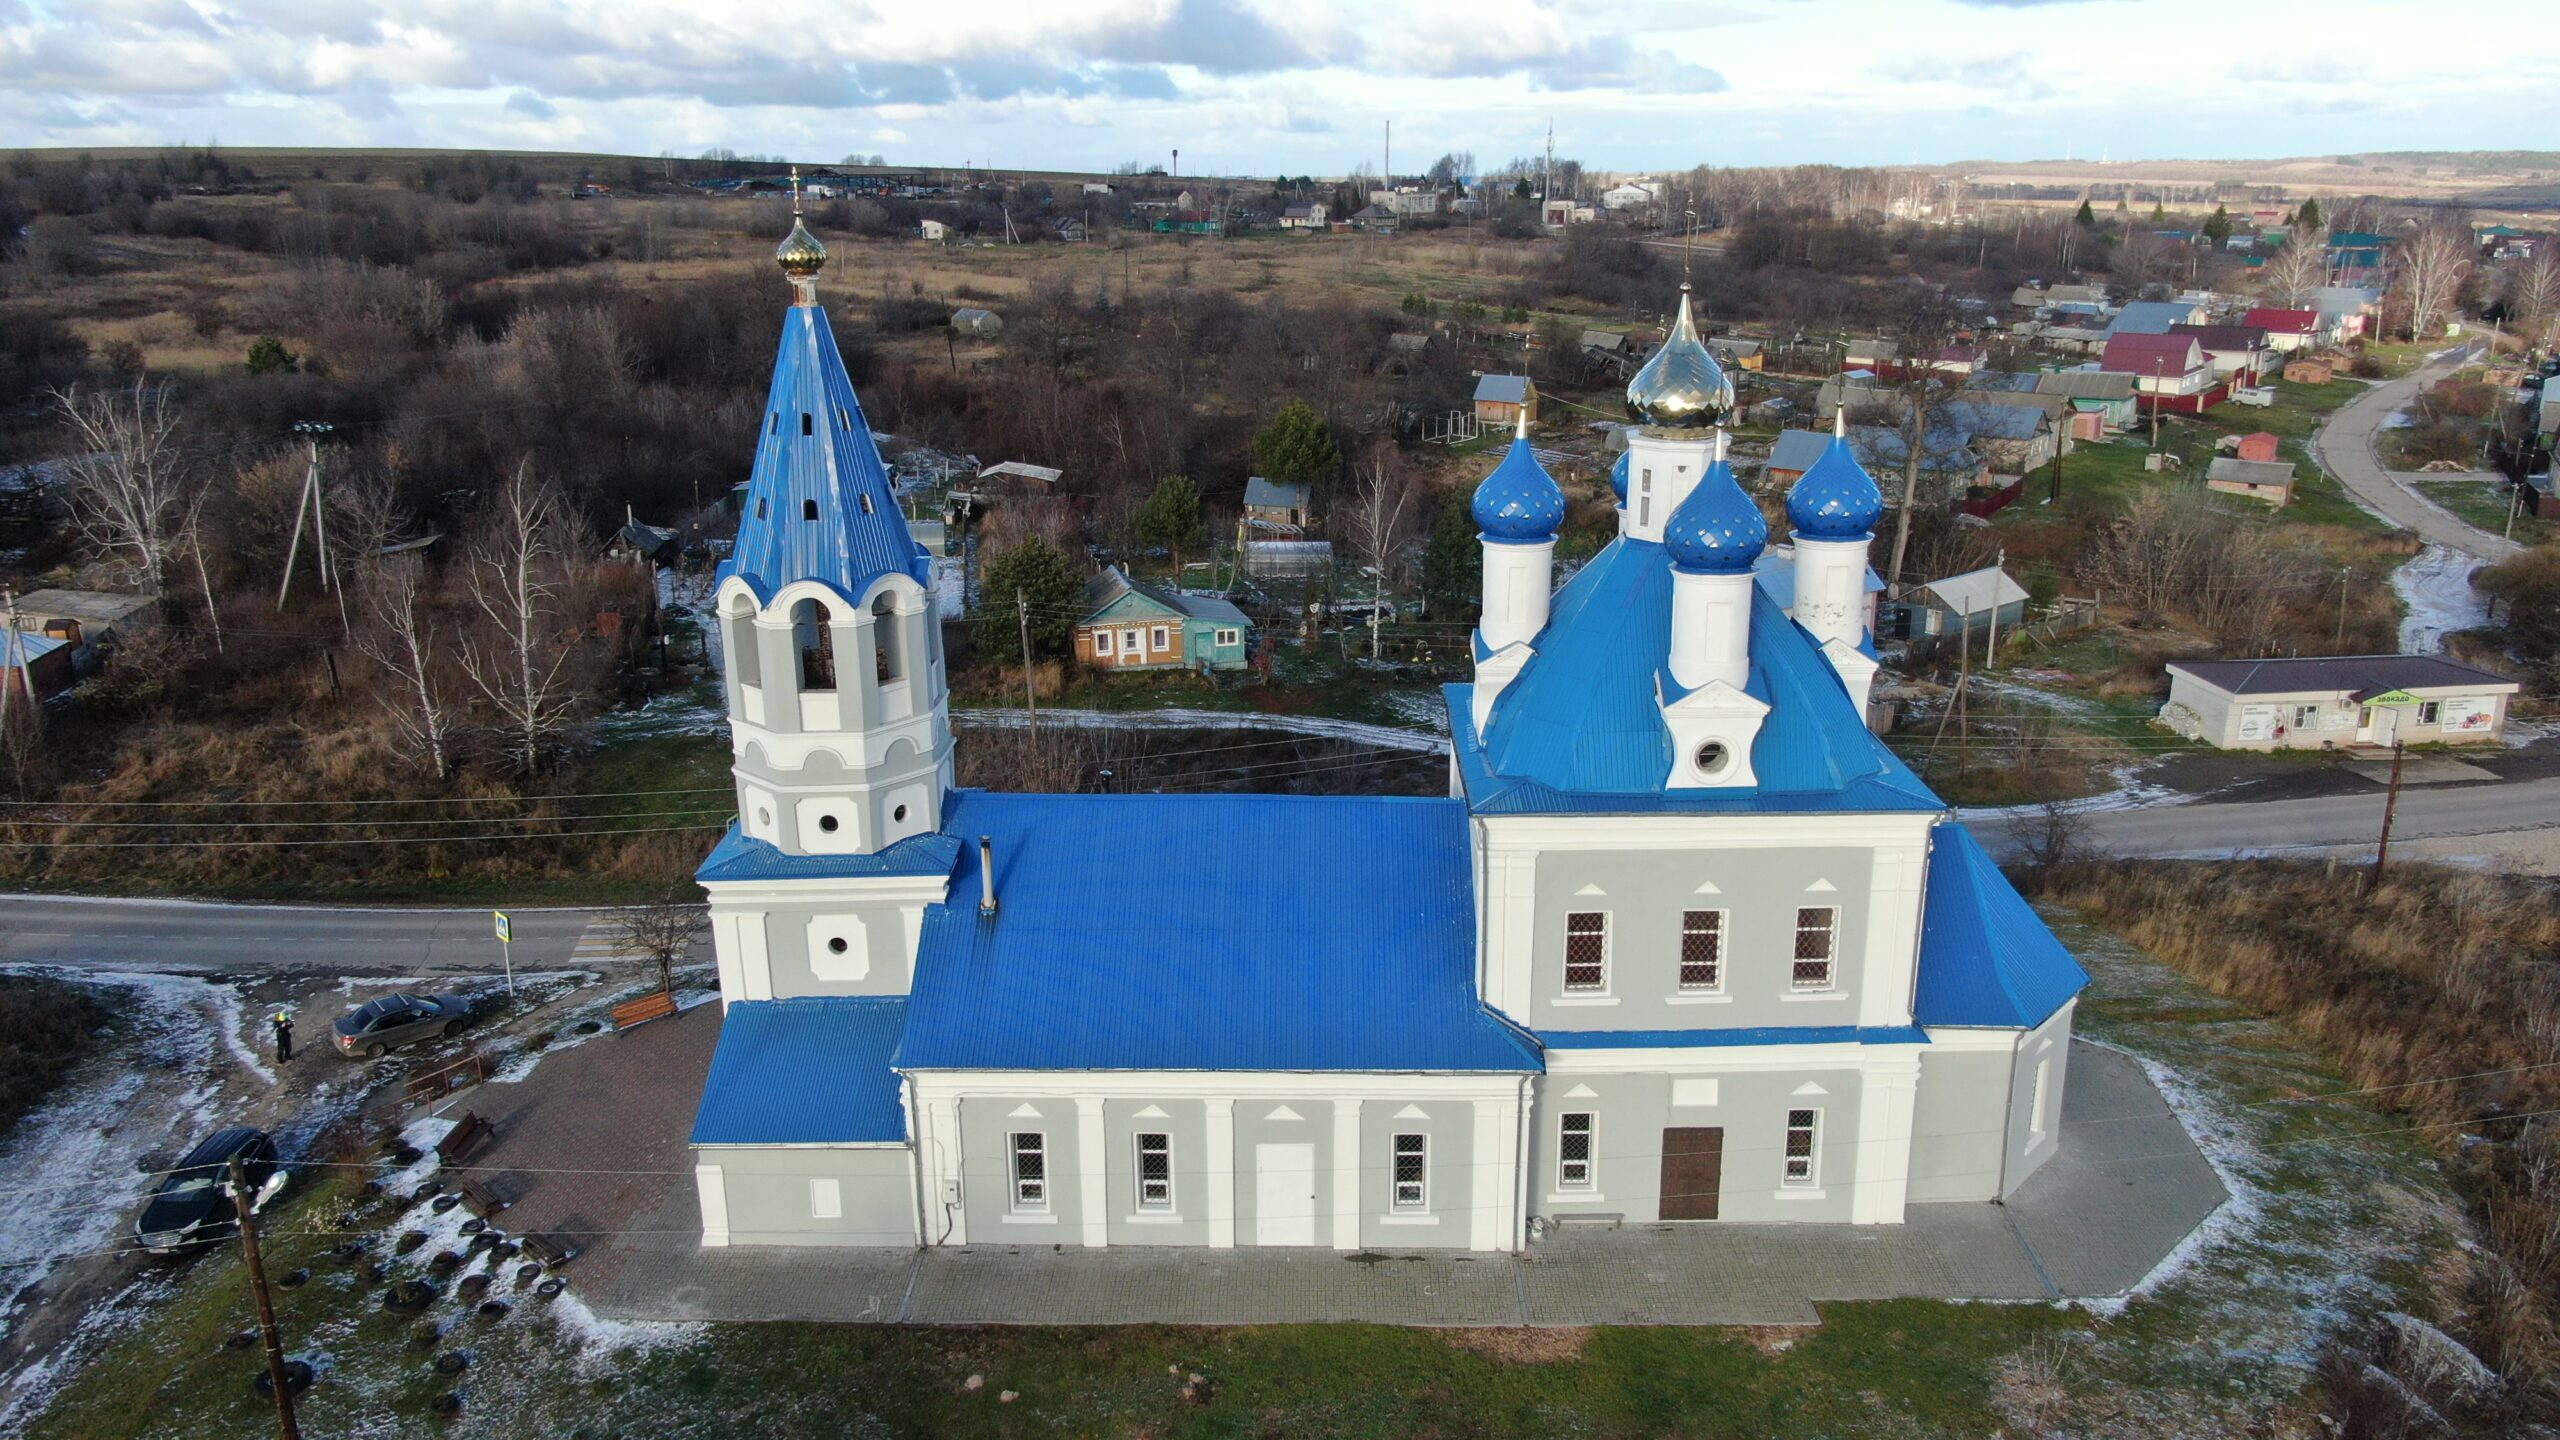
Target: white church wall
1744,1094
814,1194
1959,1125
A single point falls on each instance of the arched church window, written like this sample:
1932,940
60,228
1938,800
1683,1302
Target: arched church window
884,638
817,648
739,635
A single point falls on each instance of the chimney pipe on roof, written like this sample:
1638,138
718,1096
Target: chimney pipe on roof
986,875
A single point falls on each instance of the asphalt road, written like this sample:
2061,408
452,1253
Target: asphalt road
2345,448
277,939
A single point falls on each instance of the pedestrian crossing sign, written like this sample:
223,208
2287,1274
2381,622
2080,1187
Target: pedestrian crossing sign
503,927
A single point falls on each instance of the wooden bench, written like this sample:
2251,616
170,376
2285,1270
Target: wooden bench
487,1194
553,1251
462,1139
643,1010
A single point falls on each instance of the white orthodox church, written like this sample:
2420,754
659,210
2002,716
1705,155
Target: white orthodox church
1685,942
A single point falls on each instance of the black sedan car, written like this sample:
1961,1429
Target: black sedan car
378,1025
193,1207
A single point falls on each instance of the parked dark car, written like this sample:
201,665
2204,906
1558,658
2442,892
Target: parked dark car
193,1207
378,1025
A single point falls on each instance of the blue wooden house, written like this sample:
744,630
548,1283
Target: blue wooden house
1133,626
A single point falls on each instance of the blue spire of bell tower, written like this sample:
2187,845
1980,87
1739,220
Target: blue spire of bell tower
819,505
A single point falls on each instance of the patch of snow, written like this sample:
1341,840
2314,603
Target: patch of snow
2131,792
2053,700
950,586
1385,737
2435,586
598,1339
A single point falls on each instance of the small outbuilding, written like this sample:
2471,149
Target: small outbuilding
1961,604
2268,480
1275,504
1501,399
2333,702
34,667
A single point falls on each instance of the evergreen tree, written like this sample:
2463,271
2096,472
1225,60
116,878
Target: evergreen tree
1295,448
2087,217
2308,217
1520,189
1452,565
2218,228
268,356
2159,213
1171,517
1036,572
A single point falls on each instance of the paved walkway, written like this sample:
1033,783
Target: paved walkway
2127,1187
2344,446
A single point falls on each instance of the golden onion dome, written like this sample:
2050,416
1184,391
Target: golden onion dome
800,255
1681,387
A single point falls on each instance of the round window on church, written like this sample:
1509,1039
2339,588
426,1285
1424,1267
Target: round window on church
764,818
899,814
1712,758
827,823
836,946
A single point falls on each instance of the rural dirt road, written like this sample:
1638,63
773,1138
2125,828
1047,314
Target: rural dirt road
2344,446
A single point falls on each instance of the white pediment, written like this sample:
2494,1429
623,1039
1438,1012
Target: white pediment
1821,887
1590,890
1706,887
1412,1112
1283,1112
1024,1111
1809,1088
1582,1092
1152,1112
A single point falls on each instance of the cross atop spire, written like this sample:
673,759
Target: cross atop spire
795,192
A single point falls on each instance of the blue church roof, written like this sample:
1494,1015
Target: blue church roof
740,856
1986,958
1207,932
811,1071
1581,729
1836,499
1618,475
1519,503
819,504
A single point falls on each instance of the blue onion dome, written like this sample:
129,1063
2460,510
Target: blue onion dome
1836,499
1618,475
1717,530
1519,503
1681,387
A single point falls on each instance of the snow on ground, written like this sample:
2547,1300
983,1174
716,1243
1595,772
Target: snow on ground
2053,700
2130,792
950,581
1385,737
2220,1139
2435,585
598,1338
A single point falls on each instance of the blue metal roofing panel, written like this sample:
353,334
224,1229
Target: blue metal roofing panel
1504,389
819,505
1759,1035
2149,317
1798,449
811,1071
1986,957
1191,949
739,856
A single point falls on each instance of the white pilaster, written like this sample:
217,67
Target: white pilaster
946,1217
755,962
1519,581
1093,1179
725,949
1346,1174
713,1192
1710,629
1893,935
1489,1187
1662,468
1218,1176
1888,1091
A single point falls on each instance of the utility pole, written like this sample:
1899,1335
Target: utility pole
13,662
2343,573
315,504
1030,691
2390,804
242,1204
1991,647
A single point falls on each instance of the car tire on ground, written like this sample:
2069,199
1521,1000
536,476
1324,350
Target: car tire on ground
451,1029
375,1051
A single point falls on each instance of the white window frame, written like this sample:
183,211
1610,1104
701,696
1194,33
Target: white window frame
1409,1196
1014,1151
2304,716
1598,987
1133,641
1160,638
1811,1179
1161,1202
1830,957
2036,1098
1680,962
2430,712
1102,640
826,1198
1230,637
1589,1180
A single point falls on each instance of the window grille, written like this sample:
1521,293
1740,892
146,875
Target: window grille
1573,1151
1701,949
1817,928
1413,1170
1586,950
1030,1170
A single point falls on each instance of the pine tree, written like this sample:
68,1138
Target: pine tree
2218,228
1295,448
1171,517
1036,572
2159,213
2308,217
1452,565
2087,217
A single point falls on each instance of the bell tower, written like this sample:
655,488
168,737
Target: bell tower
839,717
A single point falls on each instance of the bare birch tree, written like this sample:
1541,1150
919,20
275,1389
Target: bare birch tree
2432,263
128,481
519,656
2533,293
2294,272
1381,501
401,637
190,538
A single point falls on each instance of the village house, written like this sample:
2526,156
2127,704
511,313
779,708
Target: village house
1736,353
2154,317
1504,399
1557,214
2334,702
2288,330
2100,402
86,618
1276,504
1795,452
2011,438
1131,625
1632,195
34,667
1684,943
1310,215
1962,604
2169,372
2239,354
1949,465
2346,311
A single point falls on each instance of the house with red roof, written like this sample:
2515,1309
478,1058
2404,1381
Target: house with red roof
2170,372
2287,330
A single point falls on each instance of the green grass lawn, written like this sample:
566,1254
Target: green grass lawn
2335,1230
2486,505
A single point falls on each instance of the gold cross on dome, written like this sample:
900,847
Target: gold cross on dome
795,189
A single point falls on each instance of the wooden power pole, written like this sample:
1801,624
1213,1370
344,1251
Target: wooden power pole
1030,687
243,1204
2390,805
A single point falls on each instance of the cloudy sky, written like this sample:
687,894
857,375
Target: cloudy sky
1264,86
